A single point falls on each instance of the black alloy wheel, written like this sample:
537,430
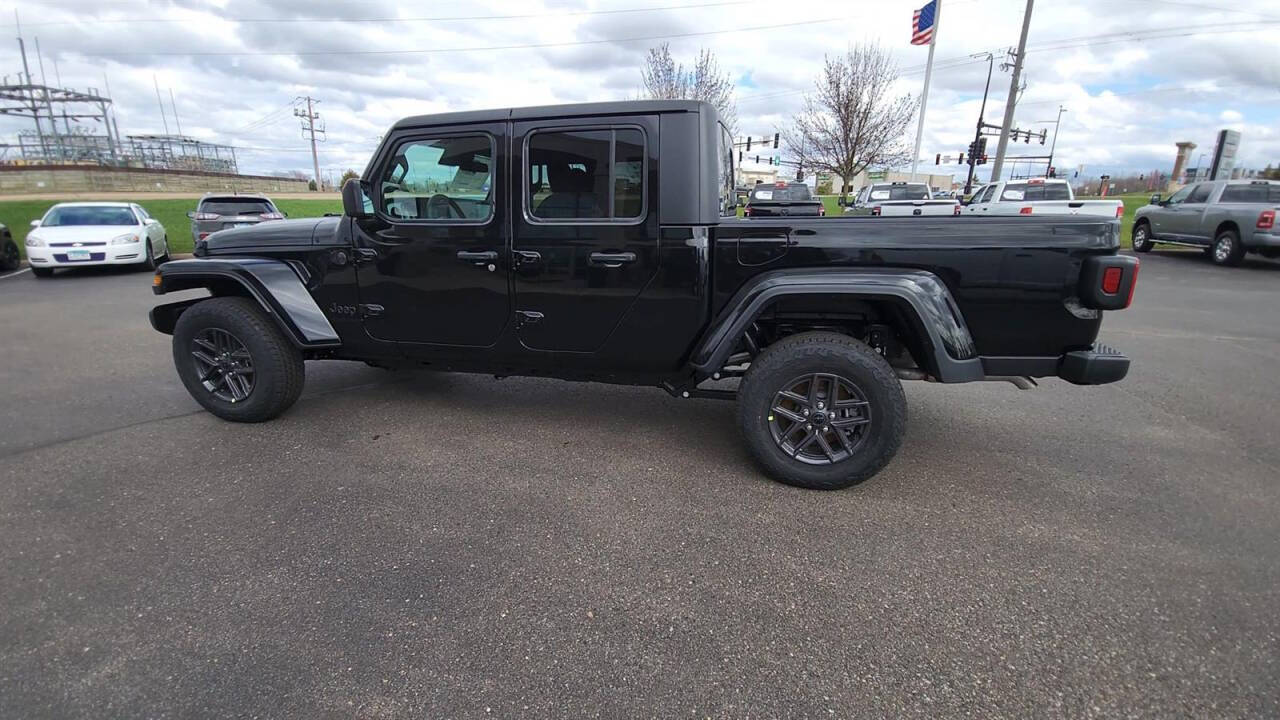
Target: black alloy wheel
223,365
820,418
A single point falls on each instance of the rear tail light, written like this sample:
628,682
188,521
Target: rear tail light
1026,210
207,216
1133,284
1120,210
1111,280
956,209
204,235
1266,220
875,211
272,216
746,211
822,211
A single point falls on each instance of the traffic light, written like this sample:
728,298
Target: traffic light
748,143
757,159
982,148
1053,172
739,157
961,162
775,140
937,159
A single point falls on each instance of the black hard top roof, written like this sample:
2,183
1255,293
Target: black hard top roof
554,111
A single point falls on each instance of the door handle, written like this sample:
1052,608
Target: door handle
364,254
612,260
480,258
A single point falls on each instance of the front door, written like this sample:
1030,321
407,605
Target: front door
585,230
1164,219
431,261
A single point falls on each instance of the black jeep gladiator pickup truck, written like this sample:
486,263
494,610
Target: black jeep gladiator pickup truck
598,242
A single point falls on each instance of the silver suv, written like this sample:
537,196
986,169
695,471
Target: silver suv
1227,218
221,211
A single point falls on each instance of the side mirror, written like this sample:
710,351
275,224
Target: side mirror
353,196
1155,199
35,223
191,214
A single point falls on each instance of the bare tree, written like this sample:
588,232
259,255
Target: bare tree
665,78
853,120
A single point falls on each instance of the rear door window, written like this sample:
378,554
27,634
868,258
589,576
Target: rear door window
1251,193
587,174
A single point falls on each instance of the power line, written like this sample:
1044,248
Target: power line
451,18
433,51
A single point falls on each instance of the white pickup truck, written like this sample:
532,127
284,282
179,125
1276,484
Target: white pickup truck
900,199
1037,196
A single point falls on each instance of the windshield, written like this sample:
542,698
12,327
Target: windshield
899,192
787,193
1040,191
236,207
88,215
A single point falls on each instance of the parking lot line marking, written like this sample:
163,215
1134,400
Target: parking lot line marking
19,272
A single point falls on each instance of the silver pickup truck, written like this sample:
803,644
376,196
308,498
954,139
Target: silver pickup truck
1227,218
900,199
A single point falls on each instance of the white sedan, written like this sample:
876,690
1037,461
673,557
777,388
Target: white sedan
102,233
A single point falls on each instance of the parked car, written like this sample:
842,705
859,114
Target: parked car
1227,218
608,251
900,199
220,211
1037,196
10,258
782,199
95,233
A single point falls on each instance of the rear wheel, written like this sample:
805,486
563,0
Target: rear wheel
1227,249
235,362
1142,238
822,411
9,257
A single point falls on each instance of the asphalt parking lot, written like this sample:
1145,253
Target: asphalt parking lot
426,545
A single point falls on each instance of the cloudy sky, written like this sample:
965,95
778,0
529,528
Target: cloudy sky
1135,75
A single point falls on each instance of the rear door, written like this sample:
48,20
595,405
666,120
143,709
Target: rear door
585,227
430,263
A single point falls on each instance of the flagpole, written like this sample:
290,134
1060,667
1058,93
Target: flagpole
924,97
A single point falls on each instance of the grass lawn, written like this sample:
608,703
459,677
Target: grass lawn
172,214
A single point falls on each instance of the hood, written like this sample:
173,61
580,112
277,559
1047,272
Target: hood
277,233
83,233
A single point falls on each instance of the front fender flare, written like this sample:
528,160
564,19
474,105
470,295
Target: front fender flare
946,338
275,284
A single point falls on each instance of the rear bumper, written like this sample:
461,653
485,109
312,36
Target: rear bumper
1265,239
1098,365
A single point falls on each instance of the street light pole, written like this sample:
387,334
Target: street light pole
977,135
1053,145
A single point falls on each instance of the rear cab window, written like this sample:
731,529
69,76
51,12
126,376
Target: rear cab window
899,192
785,193
236,206
1031,192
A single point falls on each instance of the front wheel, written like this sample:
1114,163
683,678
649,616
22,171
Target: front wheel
822,411
235,362
1142,238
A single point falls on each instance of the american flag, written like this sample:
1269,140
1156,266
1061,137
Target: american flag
922,23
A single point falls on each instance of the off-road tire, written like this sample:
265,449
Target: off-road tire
10,258
1145,244
1231,254
822,352
278,366
42,272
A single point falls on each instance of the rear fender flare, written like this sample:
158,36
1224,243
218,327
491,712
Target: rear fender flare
952,356
275,284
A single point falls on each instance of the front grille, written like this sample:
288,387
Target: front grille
81,244
62,257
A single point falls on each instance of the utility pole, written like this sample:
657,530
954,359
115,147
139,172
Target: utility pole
1012,100
977,135
309,117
